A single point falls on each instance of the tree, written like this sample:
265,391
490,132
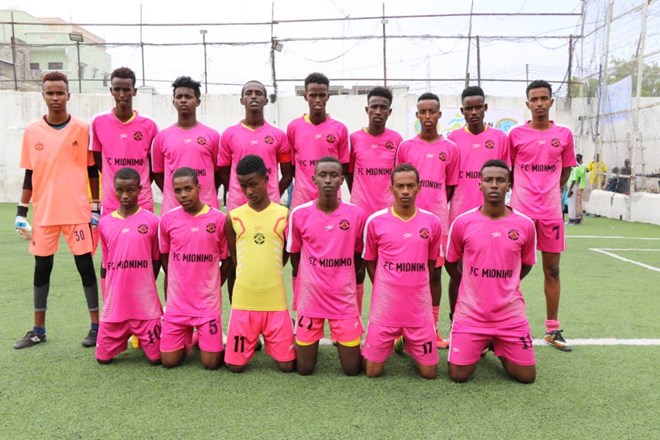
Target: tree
616,72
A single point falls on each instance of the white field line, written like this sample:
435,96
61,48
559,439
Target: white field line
582,342
629,249
627,260
618,237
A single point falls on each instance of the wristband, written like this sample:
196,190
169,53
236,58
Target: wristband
22,210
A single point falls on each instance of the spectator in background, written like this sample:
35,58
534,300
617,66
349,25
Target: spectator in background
597,170
577,182
623,186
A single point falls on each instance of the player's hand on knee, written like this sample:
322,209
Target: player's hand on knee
23,228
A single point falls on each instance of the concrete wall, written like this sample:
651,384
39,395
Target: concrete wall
639,207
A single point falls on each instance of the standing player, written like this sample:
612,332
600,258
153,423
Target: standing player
313,136
122,138
253,135
255,234
477,143
325,242
542,154
401,247
129,241
373,153
498,248
192,246
188,143
57,167
437,161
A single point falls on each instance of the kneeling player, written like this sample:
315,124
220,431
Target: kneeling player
325,241
497,246
255,234
401,248
192,246
129,241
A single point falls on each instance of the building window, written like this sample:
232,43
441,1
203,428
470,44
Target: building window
55,66
34,66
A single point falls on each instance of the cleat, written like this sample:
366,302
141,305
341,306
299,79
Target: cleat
135,342
556,339
90,339
399,345
487,348
30,339
441,343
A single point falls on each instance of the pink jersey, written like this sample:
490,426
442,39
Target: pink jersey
196,148
327,244
267,142
538,157
309,143
372,161
493,252
437,163
123,145
473,152
130,245
401,295
196,245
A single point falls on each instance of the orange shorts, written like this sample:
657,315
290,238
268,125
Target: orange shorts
45,239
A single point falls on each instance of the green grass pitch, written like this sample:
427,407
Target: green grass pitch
58,391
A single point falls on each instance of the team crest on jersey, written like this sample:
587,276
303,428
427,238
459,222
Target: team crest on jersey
513,234
489,144
259,238
143,229
555,142
344,224
389,145
269,140
210,228
442,156
75,143
201,140
39,146
331,138
137,135
424,233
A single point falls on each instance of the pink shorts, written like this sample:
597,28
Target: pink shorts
245,326
178,330
550,235
113,336
310,330
420,343
45,239
512,343
443,249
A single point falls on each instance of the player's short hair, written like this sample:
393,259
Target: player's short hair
578,157
316,78
256,82
498,164
123,73
328,159
186,81
404,168
55,76
251,164
428,95
472,91
127,173
538,84
186,172
383,92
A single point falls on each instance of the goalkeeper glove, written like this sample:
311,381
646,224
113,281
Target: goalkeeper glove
23,228
96,213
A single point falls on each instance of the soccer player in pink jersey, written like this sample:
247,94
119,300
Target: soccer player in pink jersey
58,167
401,247
129,242
122,138
313,136
325,242
196,260
477,143
254,135
437,160
542,155
498,248
256,237
188,143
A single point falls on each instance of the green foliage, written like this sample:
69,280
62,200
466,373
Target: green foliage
616,72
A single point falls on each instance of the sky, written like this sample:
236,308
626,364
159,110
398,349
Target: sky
427,60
